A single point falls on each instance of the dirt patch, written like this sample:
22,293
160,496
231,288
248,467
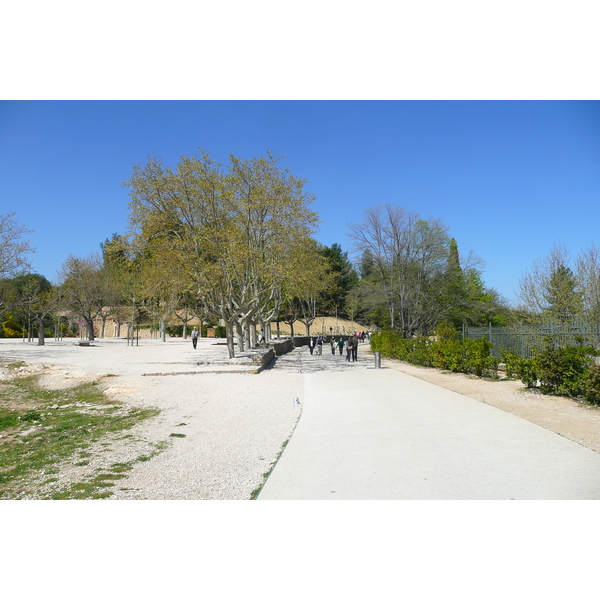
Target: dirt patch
570,418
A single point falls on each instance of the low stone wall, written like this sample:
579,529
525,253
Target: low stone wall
282,347
263,359
267,354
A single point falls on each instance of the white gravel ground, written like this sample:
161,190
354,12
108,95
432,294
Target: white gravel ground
234,423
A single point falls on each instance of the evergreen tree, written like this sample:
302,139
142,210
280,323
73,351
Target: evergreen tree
343,278
564,301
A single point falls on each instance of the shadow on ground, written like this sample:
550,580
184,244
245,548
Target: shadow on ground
302,361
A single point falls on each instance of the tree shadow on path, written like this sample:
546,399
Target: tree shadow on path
300,360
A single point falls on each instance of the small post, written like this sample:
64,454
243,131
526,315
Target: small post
378,360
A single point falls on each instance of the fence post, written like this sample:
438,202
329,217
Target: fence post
522,341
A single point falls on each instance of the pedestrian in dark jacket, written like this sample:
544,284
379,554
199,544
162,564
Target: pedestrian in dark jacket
319,345
349,349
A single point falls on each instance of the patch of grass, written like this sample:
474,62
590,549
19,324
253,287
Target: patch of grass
257,491
84,416
177,435
15,365
95,488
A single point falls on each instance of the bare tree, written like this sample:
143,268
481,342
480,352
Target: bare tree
550,287
408,257
588,276
13,249
85,287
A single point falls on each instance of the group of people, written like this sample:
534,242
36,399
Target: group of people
316,345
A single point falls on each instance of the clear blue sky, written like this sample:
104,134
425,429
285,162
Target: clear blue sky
509,178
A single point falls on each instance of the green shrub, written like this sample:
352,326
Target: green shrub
591,385
511,363
525,369
528,370
477,359
443,351
448,354
11,329
419,351
562,370
174,330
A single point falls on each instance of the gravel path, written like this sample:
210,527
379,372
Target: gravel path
222,431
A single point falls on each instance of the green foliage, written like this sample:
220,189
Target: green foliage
443,351
525,369
342,279
565,371
562,370
41,428
512,363
591,385
175,330
447,351
563,298
10,329
477,358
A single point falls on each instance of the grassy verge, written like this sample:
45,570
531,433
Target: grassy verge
254,495
41,428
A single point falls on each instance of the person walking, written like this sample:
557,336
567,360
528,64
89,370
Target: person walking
349,349
311,344
332,342
354,347
195,337
341,345
319,344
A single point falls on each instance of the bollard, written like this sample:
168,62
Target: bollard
378,360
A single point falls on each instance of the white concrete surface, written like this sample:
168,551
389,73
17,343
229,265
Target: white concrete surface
368,433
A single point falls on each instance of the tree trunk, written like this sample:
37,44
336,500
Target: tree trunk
90,329
41,332
253,337
239,332
229,337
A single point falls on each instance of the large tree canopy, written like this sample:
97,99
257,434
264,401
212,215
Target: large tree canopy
242,233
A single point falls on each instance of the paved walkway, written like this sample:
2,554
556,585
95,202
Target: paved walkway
369,433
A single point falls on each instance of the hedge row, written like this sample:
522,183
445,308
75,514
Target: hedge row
565,371
442,350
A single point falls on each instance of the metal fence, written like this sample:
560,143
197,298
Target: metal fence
524,339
